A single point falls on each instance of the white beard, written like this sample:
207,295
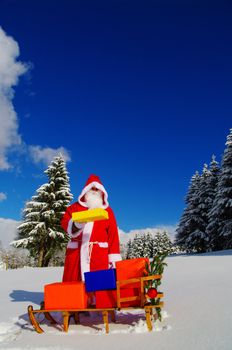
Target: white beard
93,199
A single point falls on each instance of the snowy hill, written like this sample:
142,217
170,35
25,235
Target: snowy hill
197,312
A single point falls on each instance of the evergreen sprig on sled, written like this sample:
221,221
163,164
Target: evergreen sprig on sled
155,267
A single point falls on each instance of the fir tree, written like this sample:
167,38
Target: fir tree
212,182
147,246
123,250
161,244
144,245
197,239
212,191
129,249
134,248
220,223
189,218
137,247
166,243
40,231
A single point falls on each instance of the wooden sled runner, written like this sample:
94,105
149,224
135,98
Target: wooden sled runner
139,301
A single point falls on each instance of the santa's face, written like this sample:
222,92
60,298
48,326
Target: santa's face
94,198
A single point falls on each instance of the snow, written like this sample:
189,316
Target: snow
197,313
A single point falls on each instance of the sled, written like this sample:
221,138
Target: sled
141,300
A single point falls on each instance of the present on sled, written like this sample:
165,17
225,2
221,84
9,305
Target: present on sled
131,268
108,298
106,279
100,280
126,270
65,295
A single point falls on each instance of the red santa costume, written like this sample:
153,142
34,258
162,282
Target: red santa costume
96,244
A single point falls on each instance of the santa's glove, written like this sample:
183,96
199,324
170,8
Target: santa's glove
79,225
77,228
111,265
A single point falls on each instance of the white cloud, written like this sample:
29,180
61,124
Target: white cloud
45,155
10,71
8,231
3,196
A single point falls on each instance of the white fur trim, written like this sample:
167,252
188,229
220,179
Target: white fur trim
114,257
85,262
72,245
99,187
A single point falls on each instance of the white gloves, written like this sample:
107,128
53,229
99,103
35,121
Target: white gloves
76,229
79,225
111,265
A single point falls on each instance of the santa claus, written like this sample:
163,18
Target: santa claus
93,245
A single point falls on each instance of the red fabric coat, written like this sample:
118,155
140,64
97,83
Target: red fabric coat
96,245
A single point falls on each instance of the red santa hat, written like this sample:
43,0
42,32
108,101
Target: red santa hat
93,181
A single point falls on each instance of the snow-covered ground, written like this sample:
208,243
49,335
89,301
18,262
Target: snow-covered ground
197,312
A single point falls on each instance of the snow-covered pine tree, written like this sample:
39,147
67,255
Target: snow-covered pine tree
187,221
40,231
123,250
156,243
150,244
212,191
212,181
147,245
166,243
137,246
133,253
141,246
14,259
129,249
161,243
220,217
198,239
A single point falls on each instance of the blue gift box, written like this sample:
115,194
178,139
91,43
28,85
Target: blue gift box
100,280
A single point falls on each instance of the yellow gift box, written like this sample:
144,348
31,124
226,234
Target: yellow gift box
90,215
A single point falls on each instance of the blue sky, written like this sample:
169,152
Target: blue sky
137,92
